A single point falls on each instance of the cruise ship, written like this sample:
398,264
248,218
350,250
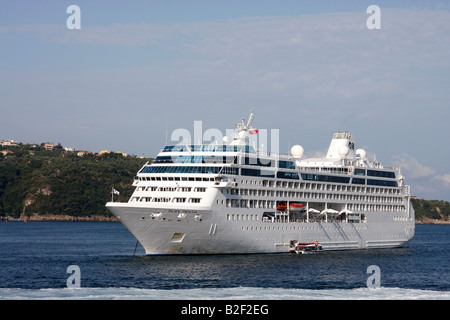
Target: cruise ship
231,198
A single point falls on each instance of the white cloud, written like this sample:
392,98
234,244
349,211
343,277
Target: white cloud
425,191
444,179
411,167
319,57
425,182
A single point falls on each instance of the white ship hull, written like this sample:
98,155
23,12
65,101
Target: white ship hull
214,234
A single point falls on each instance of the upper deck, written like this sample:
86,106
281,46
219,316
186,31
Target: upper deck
246,161
341,164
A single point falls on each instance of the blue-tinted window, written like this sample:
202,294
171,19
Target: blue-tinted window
258,162
381,183
358,181
287,175
382,174
324,178
180,169
257,173
194,159
163,159
208,148
286,164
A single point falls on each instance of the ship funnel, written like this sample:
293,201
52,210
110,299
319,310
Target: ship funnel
342,146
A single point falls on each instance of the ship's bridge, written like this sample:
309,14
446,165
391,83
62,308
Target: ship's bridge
208,148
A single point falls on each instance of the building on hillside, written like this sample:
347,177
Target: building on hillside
9,143
103,152
49,146
107,151
82,153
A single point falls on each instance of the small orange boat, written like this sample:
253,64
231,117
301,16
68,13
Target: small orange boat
296,206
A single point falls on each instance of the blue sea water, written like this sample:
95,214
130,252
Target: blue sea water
34,258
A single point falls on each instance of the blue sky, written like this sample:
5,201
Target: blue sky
308,68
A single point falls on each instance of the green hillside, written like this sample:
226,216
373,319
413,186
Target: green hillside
431,209
34,180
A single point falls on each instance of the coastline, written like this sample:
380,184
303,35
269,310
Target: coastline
432,221
60,217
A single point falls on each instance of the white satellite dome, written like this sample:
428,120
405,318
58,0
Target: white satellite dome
297,151
343,151
362,153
